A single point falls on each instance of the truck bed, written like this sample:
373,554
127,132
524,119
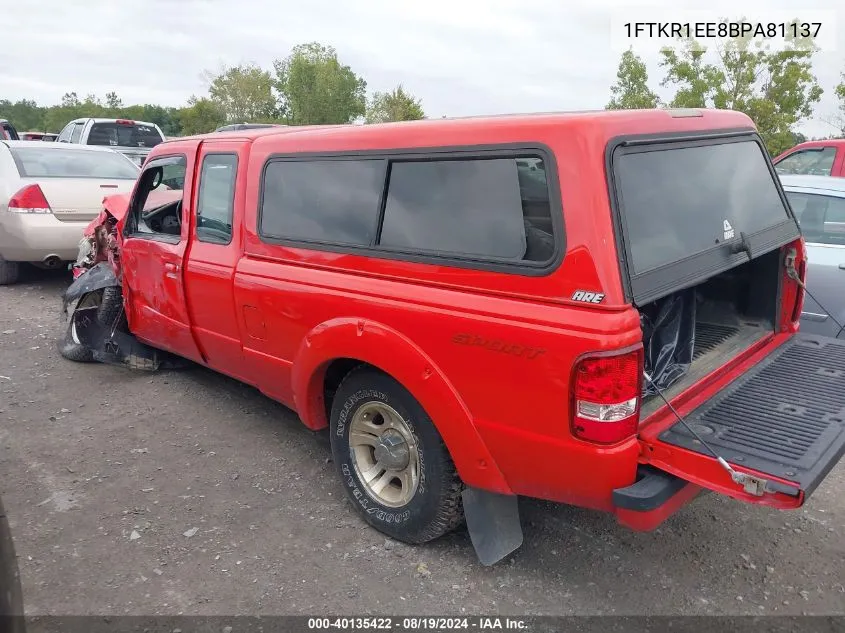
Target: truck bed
715,344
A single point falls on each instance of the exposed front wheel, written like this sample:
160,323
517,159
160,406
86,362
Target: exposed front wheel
109,304
392,461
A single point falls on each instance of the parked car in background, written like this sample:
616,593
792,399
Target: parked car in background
246,126
813,158
38,136
819,205
134,139
48,194
8,131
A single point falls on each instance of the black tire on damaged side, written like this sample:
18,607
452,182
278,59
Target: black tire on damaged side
9,272
109,309
436,507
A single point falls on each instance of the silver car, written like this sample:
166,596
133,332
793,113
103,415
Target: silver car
48,195
819,204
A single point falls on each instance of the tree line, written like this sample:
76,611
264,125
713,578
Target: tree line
777,89
308,87
311,86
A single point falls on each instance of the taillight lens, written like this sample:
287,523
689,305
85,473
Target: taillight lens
792,295
606,393
30,199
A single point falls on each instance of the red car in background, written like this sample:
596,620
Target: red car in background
817,158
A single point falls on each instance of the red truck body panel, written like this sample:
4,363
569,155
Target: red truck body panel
489,355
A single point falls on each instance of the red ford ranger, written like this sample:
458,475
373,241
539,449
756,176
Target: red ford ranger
598,309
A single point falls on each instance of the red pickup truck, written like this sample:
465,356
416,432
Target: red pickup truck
819,158
598,309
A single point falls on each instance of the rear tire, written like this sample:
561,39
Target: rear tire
109,302
392,462
9,272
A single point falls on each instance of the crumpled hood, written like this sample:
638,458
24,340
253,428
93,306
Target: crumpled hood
103,237
116,206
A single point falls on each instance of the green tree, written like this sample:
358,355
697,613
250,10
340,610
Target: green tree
70,99
25,114
317,89
396,105
113,102
777,89
202,115
243,93
631,89
840,94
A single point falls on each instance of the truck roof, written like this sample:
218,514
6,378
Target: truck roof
112,120
624,121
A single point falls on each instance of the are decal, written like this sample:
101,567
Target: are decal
587,297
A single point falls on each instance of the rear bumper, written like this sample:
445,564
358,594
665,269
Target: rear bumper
653,498
33,237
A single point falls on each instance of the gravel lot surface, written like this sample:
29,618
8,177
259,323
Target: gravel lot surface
187,492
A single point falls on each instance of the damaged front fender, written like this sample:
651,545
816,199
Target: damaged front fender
95,278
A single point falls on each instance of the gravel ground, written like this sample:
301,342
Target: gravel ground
189,493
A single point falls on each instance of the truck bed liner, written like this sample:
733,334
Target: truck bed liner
785,417
715,344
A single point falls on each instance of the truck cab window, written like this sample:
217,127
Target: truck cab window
216,198
157,206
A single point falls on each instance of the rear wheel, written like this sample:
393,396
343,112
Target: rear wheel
109,304
9,272
393,463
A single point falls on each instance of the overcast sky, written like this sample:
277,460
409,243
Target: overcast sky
461,57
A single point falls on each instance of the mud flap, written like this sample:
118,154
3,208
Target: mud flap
493,523
115,347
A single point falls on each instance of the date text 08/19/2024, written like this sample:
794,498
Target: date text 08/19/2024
417,623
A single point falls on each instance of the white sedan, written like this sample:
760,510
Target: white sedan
48,195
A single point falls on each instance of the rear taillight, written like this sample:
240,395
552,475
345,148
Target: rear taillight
794,255
30,199
606,393
124,122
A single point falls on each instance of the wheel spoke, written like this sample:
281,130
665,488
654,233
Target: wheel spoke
372,472
381,484
358,438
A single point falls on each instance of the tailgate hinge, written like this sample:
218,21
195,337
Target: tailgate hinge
752,485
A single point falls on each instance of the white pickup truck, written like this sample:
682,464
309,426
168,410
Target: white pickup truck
135,139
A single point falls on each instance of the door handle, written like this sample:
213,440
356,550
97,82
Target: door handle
171,267
841,266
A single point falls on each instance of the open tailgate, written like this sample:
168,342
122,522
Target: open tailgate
783,421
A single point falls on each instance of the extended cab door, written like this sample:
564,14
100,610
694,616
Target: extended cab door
213,253
155,238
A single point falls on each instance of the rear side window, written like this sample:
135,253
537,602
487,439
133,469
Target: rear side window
65,162
482,209
682,201
216,198
76,132
822,218
334,201
817,161
8,132
120,134
494,208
